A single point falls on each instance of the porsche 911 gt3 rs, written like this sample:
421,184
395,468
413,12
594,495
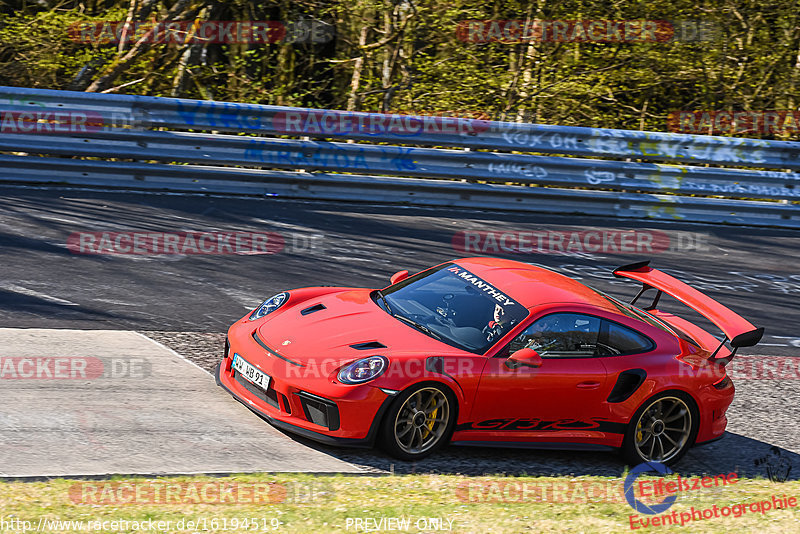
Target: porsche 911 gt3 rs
491,352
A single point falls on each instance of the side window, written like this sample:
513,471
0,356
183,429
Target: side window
618,339
560,335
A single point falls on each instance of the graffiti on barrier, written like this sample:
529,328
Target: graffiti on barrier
331,156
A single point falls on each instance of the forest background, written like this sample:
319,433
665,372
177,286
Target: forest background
418,56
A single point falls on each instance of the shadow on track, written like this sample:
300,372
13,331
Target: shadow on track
733,454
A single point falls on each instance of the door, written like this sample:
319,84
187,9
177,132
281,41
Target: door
554,402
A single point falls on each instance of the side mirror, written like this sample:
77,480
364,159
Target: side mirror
399,276
527,357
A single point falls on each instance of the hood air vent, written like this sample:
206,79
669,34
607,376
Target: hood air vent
369,345
312,309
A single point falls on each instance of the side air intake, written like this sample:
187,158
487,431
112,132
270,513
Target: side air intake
627,384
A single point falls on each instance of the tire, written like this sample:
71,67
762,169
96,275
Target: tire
410,433
662,430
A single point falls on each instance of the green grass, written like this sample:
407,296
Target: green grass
320,504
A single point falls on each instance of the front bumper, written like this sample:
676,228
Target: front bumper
311,407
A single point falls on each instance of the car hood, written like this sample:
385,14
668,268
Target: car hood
350,326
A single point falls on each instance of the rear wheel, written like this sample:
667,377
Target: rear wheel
420,420
662,429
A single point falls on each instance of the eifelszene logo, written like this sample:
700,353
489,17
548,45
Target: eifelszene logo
630,482
668,487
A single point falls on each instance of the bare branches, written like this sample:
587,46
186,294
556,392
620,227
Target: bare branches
181,10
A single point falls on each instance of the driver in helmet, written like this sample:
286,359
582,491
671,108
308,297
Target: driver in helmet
498,325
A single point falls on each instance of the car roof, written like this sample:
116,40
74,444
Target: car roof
533,286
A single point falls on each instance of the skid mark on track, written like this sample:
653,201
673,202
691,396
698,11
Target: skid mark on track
21,290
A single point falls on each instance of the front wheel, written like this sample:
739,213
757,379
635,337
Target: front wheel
419,421
662,429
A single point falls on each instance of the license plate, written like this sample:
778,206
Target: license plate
250,373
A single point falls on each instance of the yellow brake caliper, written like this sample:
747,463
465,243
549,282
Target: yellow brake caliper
639,433
430,423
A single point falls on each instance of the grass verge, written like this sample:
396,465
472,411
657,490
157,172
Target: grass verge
299,503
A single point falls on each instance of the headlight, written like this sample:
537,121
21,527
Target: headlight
363,370
269,306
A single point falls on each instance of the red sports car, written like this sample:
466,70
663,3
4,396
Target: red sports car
484,351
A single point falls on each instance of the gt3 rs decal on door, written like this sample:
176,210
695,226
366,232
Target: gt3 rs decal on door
540,425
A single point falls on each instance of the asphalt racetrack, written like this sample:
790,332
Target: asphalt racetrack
52,279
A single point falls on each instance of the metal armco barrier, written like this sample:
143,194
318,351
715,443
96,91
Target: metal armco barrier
138,142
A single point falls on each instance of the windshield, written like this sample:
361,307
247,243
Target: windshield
451,304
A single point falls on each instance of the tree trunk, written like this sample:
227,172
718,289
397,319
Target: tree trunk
355,81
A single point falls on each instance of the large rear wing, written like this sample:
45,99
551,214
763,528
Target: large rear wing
738,330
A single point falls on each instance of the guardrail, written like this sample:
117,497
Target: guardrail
172,144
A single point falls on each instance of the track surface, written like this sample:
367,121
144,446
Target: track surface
124,404
43,284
